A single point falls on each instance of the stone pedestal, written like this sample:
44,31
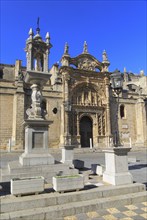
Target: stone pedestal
116,161
68,155
36,144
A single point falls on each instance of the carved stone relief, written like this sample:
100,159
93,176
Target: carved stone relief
87,64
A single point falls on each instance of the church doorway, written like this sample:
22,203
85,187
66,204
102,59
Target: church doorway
85,131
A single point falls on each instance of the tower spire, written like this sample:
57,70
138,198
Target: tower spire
38,28
66,48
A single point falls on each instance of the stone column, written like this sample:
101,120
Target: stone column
108,122
62,126
67,136
29,55
116,161
78,129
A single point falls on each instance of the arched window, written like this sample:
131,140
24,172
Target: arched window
122,111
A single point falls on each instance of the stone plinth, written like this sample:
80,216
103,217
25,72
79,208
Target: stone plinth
68,155
36,144
116,161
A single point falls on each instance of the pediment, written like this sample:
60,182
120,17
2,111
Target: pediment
86,62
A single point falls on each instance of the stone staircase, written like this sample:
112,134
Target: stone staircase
55,206
16,170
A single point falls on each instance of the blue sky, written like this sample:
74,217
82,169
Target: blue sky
119,27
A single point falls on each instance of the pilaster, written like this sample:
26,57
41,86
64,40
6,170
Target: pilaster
18,116
140,122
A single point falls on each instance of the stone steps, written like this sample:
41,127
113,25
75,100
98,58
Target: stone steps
54,205
15,170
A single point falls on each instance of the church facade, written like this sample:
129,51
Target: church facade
78,100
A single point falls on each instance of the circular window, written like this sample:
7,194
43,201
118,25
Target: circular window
55,110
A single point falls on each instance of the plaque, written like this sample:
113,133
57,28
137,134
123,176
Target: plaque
37,140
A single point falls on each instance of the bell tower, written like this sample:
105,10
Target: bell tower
37,51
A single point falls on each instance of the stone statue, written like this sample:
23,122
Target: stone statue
85,48
105,58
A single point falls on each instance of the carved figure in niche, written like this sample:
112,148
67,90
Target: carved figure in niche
93,99
86,98
79,99
99,101
38,63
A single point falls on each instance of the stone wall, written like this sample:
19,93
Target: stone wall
6,112
15,99
7,72
18,116
53,101
127,124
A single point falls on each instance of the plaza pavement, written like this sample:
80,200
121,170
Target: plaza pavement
129,212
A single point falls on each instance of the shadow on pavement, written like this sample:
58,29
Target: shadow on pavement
4,189
137,166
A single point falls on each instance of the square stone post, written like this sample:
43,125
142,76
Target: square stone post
116,160
68,155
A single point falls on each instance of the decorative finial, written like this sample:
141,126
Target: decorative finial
105,58
30,34
38,29
85,48
66,48
31,31
47,37
125,70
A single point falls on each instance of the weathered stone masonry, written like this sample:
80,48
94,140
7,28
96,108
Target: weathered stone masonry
79,102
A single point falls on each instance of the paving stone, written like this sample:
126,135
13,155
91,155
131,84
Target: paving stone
139,211
131,207
144,215
82,216
119,215
92,214
139,217
129,212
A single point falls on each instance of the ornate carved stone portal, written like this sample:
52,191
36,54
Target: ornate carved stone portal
86,102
